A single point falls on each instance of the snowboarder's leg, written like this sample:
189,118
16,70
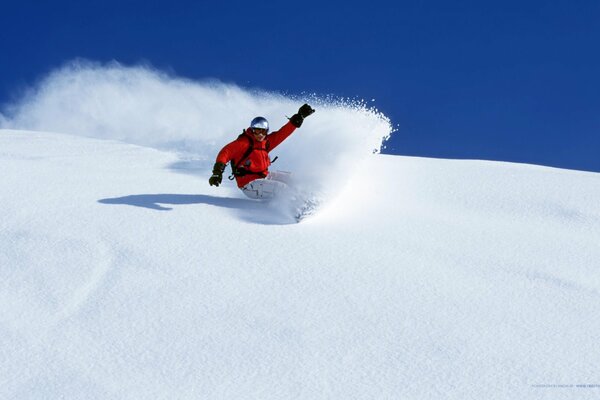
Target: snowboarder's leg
264,189
281,176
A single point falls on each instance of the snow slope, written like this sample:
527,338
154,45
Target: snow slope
123,275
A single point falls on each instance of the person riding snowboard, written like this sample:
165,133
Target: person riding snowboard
249,157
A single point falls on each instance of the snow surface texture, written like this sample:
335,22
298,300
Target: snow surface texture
123,275
123,278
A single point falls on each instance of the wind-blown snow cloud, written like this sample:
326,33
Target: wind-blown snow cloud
143,106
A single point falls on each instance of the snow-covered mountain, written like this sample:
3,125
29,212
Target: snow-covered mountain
124,275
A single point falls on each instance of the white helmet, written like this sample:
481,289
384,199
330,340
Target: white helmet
260,123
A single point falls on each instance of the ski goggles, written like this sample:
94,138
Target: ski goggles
259,134
259,131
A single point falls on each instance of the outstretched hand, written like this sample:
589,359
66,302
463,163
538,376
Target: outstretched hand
305,110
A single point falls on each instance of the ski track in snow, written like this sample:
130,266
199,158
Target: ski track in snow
58,297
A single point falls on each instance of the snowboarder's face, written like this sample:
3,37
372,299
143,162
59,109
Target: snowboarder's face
259,134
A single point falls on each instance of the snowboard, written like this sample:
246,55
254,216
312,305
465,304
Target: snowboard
283,195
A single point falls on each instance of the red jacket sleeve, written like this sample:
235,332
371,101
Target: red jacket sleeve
232,151
276,138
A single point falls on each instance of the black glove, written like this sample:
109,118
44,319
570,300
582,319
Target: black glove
303,112
217,176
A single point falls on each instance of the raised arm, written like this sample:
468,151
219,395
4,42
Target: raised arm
295,121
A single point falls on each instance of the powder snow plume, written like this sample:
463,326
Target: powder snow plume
143,106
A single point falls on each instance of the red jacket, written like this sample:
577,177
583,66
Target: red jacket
257,163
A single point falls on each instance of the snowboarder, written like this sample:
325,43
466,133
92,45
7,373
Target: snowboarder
249,157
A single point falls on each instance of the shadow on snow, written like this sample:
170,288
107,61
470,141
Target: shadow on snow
249,210
155,201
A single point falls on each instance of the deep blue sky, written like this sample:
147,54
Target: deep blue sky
506,80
